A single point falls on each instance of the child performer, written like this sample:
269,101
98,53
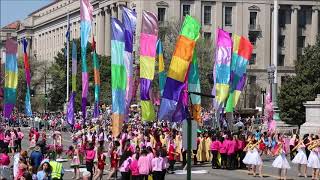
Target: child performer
313,160
281,161
301,158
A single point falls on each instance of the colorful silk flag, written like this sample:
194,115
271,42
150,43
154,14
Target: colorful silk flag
221,68
118,75
28,78
179,68
11,77
96,70
85,27
194,86
148,43
162,74
129,19
242,50
70,108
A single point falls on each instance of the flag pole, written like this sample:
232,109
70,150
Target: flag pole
68,24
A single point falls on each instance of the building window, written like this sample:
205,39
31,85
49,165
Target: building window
207,15
284,79
301,41
253,20
281,41
253,38
302,20
281,60
253,59
185,10
207,35
161,14
252,80
282,18
228,16
8,35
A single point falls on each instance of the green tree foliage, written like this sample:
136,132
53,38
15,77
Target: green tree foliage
302,87
57,79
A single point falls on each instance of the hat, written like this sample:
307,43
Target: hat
37,148
86,174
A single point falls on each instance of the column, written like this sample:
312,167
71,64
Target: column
314,24
101,33
114,10
107,39
98,30
293,34
119,9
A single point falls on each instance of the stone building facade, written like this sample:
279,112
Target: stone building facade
298,26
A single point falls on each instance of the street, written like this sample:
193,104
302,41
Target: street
199,172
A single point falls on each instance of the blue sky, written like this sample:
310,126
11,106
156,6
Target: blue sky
12,10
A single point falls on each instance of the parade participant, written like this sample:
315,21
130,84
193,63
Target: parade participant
134,167
156,166
313,159
171,156
163,154
7,139
231,149
144,165
240,153
90,155
223,152
5,171
125,162
301,158
114,159
100,165
20,137
44,172
75,163
22,167
281,161
214,147
293,142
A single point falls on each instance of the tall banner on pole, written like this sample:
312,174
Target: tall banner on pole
70,108
162,73
129,19
96,72
221,68
148,43
28,110
85,27
242,50
194,86
11,77
179,68
118,75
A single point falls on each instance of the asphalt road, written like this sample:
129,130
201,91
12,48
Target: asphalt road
268,171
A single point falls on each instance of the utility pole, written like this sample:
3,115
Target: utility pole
45,89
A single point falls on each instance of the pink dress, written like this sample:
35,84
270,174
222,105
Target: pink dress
75,159
12,139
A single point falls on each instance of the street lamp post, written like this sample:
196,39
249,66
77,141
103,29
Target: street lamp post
263,92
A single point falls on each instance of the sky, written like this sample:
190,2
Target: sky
12,10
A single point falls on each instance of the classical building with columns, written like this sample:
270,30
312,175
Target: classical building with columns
298,26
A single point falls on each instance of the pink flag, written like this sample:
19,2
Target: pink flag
86,10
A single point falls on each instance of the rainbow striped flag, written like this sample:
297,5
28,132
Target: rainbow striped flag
118,75
221,68
194,86
242,50
179,67
85,27
148,43
11,77
162,73
129,19
28,77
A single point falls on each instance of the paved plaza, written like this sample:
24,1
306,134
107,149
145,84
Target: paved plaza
268,171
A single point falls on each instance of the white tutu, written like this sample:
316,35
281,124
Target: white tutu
313,160
281,162
252,158
300,158
247,157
